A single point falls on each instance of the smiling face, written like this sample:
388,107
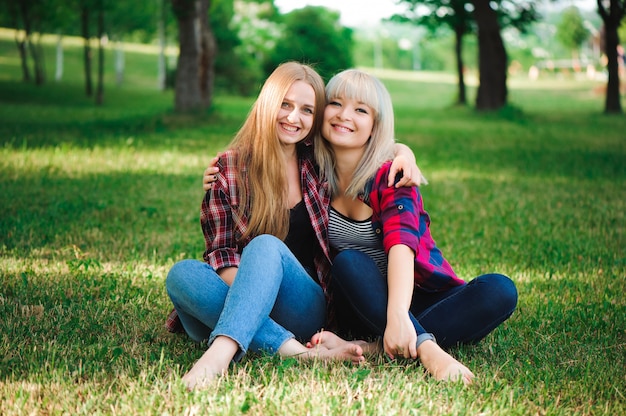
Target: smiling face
348,123
295,117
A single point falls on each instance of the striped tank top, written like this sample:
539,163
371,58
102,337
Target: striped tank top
345,233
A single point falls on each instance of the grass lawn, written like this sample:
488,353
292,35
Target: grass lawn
97,203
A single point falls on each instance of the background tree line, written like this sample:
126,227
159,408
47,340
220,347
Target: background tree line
233,44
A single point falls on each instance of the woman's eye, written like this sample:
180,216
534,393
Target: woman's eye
334,103
362,110
285,105
308,110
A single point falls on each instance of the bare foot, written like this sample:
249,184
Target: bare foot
331,340
343,352
213,363
441,365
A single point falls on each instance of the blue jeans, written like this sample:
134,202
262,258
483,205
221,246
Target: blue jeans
273,299
462,314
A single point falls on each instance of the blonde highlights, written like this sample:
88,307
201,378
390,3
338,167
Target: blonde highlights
261,180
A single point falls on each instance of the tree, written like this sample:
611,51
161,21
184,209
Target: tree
28,18
100,31
571,31
139,21
492,59
85,23
314,35
451,13
195,70
11,18
488,16
247,33
612,12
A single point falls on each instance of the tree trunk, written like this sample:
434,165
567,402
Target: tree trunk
162,65
194,72
458,50
120,63
40,62
208,50
20,42
612,19
612,102
21,47
25,12
492,59
100,85
84,19
58,73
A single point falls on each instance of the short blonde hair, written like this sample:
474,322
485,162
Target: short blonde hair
360,86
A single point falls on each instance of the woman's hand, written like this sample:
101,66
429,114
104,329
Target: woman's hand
411,173
210,174
400,338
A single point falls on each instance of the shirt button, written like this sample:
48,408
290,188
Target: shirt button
401,207
378,231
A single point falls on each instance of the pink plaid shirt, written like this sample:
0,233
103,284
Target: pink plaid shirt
399,218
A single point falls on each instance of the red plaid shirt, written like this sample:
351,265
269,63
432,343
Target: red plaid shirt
223,227
399,217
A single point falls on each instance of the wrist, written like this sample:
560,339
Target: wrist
397,312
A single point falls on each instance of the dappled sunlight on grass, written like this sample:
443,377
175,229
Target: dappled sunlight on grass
554,83
75,162
71,259
78,42
421,76
455,175
98,203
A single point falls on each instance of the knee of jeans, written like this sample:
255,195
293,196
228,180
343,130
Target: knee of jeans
506,291
177,274
264,241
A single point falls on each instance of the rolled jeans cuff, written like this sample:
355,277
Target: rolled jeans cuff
421,338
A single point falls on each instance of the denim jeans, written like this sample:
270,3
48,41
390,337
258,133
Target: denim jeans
272,299
462,314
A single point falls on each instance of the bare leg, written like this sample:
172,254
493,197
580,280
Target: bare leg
216,359
214,362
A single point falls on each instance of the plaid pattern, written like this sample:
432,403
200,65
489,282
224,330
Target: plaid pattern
223,227
173,324
399,217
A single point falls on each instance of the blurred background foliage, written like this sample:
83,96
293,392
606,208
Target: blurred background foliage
252,37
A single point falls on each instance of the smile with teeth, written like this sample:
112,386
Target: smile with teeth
290,128
342,128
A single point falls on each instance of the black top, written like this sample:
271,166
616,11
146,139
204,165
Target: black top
301,238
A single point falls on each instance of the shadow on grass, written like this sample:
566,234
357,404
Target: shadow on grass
88,325
111,216
581,164
63,116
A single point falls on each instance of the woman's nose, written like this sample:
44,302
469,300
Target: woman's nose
293,116
344,114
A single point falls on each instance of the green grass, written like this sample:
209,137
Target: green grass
97,203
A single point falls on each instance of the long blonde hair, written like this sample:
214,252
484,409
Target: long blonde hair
365,88
261,180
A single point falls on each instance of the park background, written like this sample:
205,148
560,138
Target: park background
100,193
